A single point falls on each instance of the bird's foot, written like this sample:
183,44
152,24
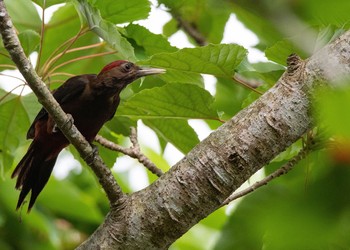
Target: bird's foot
90,158
69,123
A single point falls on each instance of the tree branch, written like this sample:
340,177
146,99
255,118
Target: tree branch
198,184
199,38
44,96
191,31
134,151
310,145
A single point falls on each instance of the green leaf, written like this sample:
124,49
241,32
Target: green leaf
151,43
106,30
176,101
23,15
170,28
76,206
122,11
329,108
63,26
326,35
176,76
177,132
13,125
212,21
31,105
334,12
120,125
229,97
219,60
280,51
48,3
29,40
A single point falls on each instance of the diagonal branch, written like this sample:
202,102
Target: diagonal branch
44,96
134,151
309,147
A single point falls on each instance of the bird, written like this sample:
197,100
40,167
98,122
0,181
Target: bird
90,100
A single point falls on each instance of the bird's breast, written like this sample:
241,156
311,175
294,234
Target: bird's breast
90,115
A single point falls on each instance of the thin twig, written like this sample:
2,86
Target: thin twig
53,58
281,171
62,74
134,151
9,92
8,66
42,32
200,39
191,31
15,77
79,59
246,84
67,51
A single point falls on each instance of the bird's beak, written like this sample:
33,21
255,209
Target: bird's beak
150,71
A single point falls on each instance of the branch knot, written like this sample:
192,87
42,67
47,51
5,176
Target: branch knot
293,64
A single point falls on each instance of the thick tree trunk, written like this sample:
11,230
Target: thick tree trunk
155,217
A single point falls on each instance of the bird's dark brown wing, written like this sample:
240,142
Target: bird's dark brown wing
68,91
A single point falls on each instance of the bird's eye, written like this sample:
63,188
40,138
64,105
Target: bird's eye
127,66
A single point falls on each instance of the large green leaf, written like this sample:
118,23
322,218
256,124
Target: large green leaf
334,12
177,76
229,97
48,3
329,107
63,26
105,29
171,101
13,125
29,40
212,20
76,206
219,60
24,15
177,132
281,50
122,11
151,43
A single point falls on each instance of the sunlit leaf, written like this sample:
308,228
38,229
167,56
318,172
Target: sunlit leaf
151,43
48,3
175,101
106,30
23,15
280,51
77,205
29,40
122,11
177,132
13,125
219,60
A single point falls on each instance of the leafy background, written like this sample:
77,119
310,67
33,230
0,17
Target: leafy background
306,209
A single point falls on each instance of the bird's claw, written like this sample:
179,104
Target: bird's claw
90,158
69,123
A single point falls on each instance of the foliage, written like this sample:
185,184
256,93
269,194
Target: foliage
307,209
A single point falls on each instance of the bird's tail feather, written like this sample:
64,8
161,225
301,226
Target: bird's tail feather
33,172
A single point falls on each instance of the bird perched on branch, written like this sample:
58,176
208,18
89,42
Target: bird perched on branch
91,100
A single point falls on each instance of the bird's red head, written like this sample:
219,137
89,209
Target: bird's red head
112,65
